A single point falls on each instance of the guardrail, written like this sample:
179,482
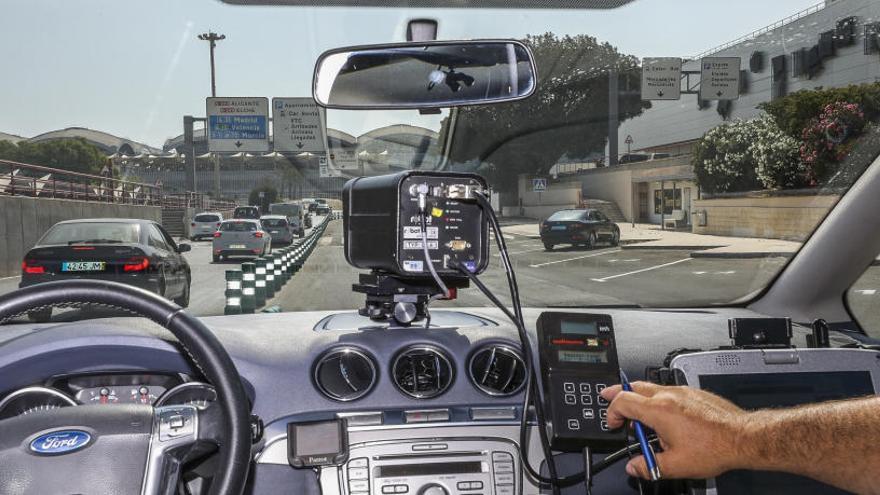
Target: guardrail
24,179
248,289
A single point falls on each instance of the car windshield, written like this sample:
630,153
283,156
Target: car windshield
238,227
92,233
714,137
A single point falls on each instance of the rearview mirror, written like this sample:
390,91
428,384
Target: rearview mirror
183,248
435,74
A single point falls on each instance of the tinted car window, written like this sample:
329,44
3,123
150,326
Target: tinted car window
566,215
247,212
238,227
94,232
207,218
156,239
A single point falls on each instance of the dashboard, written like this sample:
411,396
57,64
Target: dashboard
452,392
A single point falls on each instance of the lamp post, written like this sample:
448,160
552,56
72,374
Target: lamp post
212,38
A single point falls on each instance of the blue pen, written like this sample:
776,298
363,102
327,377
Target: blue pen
647,450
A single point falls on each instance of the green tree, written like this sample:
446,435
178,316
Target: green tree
270,195
75,155
567,115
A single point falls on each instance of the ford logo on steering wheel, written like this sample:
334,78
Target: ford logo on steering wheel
60,442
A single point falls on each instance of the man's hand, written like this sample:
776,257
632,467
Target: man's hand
700,432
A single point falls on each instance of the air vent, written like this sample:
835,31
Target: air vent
422,372
497,370
345,373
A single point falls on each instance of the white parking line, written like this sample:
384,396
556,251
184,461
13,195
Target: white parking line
605,279
574,259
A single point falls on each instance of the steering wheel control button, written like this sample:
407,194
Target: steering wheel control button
586,400
176,422
574,424
603,413
570,399
585,388
568,387
604,425
588,413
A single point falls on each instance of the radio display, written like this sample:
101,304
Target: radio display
430,469
592,357
588,328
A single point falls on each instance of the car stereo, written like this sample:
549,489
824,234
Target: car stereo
444,466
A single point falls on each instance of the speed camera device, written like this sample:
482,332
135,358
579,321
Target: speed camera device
383,218
419,234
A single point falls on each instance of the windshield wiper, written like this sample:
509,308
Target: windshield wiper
94,241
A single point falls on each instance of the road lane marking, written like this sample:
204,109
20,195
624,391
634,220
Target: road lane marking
574,259
521,252
9,278
867,292
605,279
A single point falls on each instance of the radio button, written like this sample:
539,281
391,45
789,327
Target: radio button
570,399
504,478
604,425
360,462
503,467
388,489
568,387
574,424
358,473
476,485
585,388
501,456
359,485
586,400
589,413
504,490
401,488
603,413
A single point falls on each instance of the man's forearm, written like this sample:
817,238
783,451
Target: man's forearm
836,442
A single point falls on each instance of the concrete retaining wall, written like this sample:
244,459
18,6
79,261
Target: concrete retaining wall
774,217
24,220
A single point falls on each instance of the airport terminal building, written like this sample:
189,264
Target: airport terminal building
829,45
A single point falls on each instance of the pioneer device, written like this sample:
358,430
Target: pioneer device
578,358
451,466
317,443
774,378
383,216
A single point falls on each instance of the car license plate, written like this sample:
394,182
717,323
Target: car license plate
273,231
83,266
237,246
558,227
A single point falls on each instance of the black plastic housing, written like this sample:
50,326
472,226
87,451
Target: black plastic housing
382,229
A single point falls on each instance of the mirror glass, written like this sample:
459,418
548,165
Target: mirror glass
424,75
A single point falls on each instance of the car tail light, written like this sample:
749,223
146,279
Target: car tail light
257,251
218,225
137,264
218,234
258,234
193,224
31,268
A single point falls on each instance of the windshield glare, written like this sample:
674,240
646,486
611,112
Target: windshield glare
710,138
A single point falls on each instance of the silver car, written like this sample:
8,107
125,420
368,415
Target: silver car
241,237
204,225
279,228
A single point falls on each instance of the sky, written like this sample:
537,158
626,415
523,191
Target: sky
134,68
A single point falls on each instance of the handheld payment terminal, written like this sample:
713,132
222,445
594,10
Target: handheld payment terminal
578,358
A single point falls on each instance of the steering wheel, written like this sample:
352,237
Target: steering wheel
132,448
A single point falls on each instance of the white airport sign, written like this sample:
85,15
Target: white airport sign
298,125
719,78
345,159
661,78
238,124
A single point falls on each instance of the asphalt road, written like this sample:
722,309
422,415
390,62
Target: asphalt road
563,277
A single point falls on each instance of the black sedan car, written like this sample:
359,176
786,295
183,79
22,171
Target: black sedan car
131,251
579,228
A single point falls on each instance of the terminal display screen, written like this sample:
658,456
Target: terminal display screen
762,390
588,328
430,469
566,356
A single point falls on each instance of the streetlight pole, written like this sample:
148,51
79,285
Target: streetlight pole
212,38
